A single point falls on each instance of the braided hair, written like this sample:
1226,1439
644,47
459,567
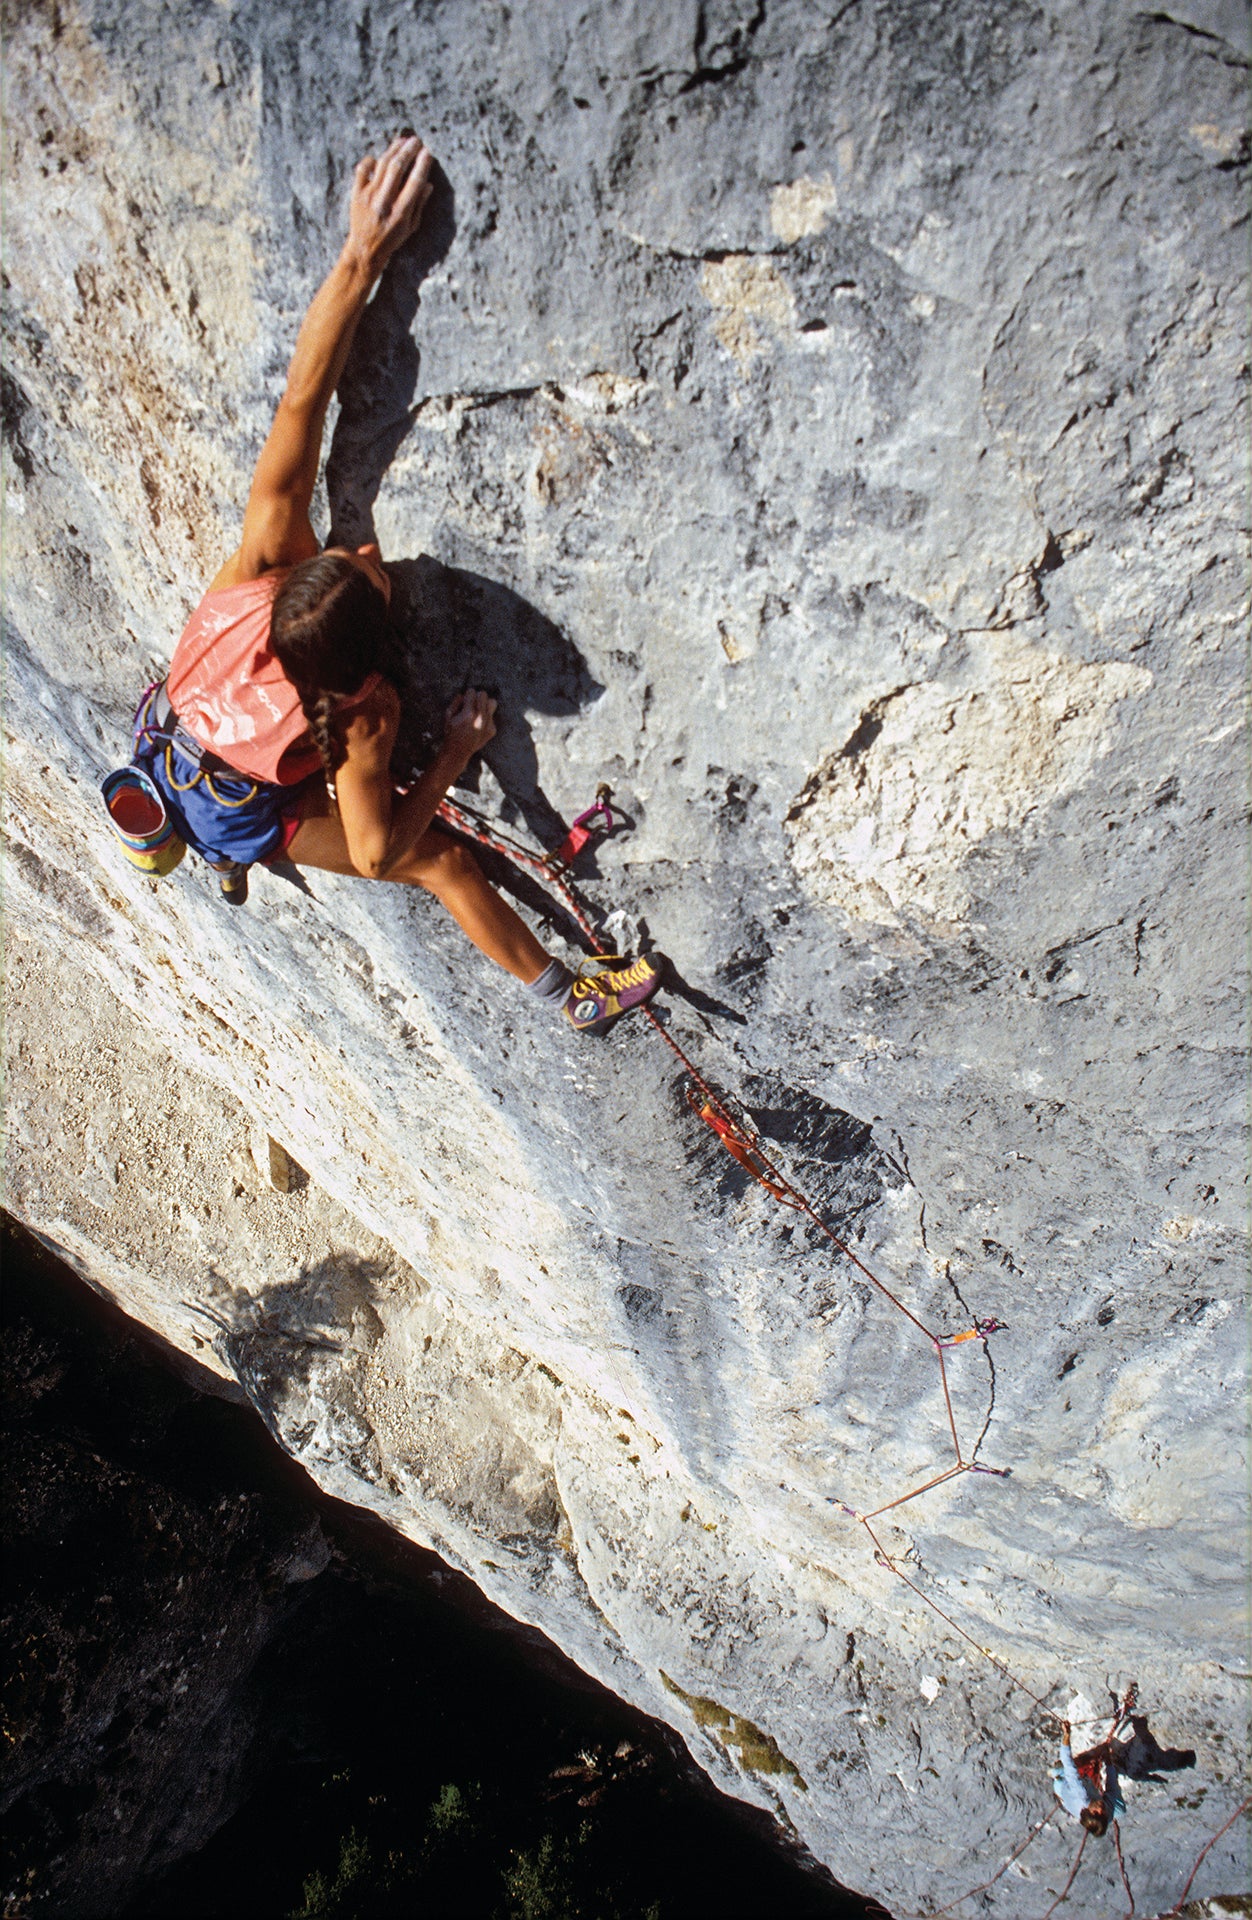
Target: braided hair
327,630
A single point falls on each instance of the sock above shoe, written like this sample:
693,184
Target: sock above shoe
553,984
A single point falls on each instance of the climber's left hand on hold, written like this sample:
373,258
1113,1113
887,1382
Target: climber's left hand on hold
388,199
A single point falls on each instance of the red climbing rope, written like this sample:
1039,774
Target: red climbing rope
1073,1875
741,1141
1202,1856
1173,1913
1121,1868
936,1913
884,1559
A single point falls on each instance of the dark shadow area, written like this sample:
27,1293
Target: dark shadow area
830,1154
223,1684
808,1127
287,870
455,629
380,378
699,1001
1143,1758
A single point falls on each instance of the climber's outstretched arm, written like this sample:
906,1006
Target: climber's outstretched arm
388,197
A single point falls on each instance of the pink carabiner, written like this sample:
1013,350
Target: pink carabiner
582,831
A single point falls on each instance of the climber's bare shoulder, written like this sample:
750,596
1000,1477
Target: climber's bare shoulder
282,541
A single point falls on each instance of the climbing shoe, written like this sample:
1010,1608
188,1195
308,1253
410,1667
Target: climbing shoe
232,878
597,999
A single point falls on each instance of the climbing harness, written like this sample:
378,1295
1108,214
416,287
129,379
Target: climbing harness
157,722
135,804
229,818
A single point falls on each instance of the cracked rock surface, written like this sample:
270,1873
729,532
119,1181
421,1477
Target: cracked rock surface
827,424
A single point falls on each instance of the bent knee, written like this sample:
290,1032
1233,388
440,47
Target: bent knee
440,862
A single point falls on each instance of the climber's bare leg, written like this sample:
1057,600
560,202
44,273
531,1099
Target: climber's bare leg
446,868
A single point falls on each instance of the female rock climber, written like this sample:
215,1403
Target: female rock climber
272,737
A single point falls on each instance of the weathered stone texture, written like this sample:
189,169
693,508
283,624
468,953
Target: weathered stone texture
826,423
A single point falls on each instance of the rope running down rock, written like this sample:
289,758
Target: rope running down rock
738,1137
743,1143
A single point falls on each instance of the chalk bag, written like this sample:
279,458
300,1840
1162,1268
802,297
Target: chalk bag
141,821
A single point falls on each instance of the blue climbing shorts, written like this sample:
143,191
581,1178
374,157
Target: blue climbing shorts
224,816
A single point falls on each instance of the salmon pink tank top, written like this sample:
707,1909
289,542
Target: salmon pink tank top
231,694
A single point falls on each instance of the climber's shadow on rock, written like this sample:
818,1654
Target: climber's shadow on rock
451,628
455,629
275,1341
1143,1758
378,383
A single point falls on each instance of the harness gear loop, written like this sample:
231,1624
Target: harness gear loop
185,786
150,727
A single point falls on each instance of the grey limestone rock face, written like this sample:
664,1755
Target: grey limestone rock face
827,424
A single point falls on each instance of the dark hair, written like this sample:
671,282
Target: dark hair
1094,1817
327,630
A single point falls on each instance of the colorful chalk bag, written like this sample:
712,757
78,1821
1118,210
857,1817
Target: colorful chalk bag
141,821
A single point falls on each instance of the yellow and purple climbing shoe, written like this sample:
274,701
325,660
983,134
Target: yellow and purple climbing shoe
597,999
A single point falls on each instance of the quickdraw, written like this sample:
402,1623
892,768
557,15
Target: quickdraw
597,818
740,1144
743,1144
